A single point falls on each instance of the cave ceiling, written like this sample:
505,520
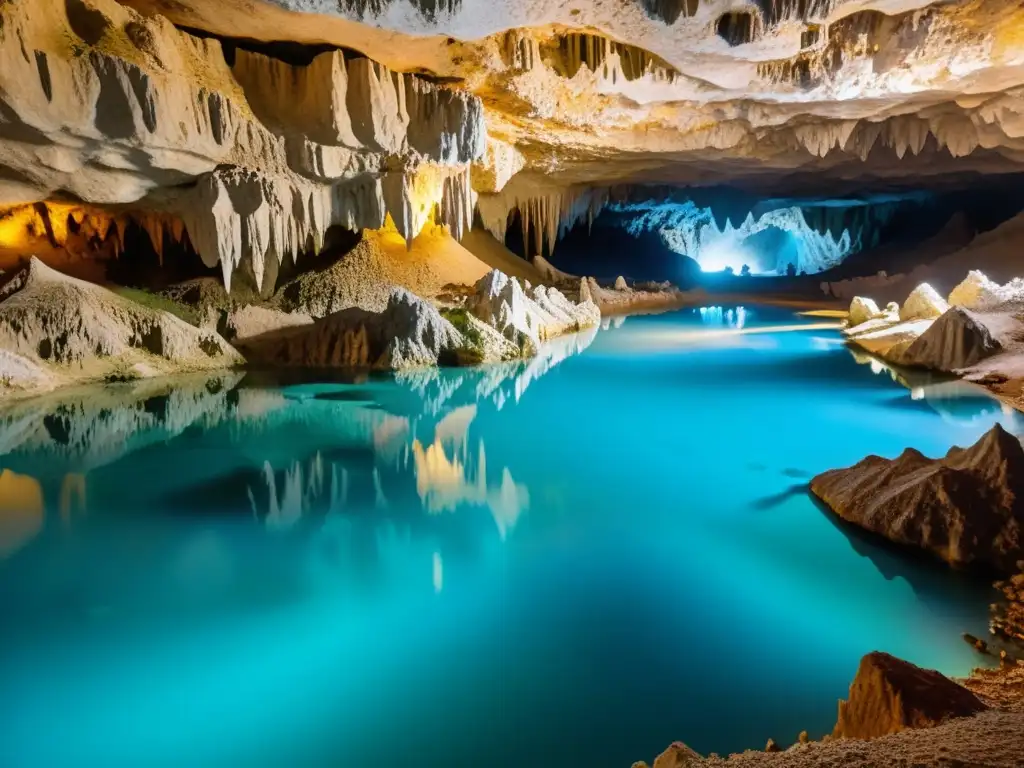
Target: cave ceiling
253,126
692,91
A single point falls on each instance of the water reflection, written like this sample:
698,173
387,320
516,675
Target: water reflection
956,401
723,317
21,511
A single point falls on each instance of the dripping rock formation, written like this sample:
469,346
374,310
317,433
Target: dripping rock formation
966,508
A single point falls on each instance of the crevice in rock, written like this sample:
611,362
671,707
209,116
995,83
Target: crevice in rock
736,27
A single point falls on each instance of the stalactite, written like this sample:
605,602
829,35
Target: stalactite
608,58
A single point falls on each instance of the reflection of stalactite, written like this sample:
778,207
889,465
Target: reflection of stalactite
316,494
21,511
443,484
72,489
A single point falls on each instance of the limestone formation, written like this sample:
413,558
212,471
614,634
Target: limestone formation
890,695
862,310
409,332
620,284
76,330
501,302
958,339
923,303
966,508
979,293
252,156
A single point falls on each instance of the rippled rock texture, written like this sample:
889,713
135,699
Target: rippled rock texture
967,507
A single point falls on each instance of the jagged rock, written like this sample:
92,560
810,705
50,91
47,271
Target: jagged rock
967,508
976,291
956,340
409,332
501,302
585,294
74,329
771,746
620,284
923,303
889,695
862,310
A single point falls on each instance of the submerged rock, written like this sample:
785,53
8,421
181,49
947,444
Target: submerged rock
967,508
890,695
76,330
956,340
923,303
409,332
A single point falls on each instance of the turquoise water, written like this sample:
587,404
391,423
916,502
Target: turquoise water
574,561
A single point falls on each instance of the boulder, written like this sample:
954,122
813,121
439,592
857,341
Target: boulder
862,310
890,695
923,303
75,330
967,508
620,284
976,291
409,332
678,755
956,340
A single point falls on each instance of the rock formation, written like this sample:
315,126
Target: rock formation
73,330
409,332
862,310
956,340
923,303
501,302
967,508
889,695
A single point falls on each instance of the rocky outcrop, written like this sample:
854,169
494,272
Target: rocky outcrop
958,339
967,508
76,330
527,320
890,695
923,303
862,310
409,332
977,292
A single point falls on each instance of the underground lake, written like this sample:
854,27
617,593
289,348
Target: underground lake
574,559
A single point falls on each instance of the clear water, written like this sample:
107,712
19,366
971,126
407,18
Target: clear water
571,562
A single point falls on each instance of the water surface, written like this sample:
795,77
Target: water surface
572,561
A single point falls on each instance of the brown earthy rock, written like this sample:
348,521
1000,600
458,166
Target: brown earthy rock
889,695
956,340
677,756
967,508
771,746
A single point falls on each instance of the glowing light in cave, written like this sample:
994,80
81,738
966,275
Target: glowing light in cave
722,254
